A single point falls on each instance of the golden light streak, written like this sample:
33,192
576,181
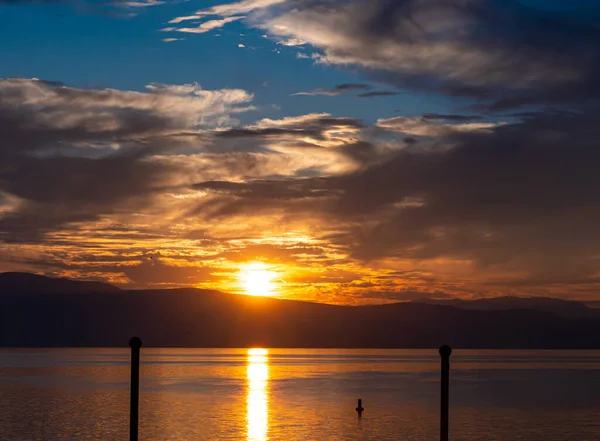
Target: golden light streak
257,396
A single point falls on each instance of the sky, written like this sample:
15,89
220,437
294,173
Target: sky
338,151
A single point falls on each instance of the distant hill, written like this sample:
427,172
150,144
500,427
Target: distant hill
35,284
107,317
560,307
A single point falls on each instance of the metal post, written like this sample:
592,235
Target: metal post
445,352
135,344
360,408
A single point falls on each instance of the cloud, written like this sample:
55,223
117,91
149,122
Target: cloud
431,127
95,180
261,190
184,18
230,12
153,272
74,155
292,42
377,94
312,144
241,7
457,118
502,55
208,26
72,158
515,201
114,112
337,90
118,8
138,4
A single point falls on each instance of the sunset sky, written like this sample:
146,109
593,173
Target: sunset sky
357,151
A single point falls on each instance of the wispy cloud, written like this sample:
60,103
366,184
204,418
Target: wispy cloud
117,8
208,26
292,42
229,12
337,90
432,127
241,7
185,18
377,94
138,4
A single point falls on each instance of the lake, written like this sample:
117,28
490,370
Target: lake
298,394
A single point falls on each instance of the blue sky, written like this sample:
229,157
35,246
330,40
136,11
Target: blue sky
84,47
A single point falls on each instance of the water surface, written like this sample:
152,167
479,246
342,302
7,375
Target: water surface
294,395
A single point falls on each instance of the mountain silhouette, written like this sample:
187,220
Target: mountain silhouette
34,283
38,314
560,307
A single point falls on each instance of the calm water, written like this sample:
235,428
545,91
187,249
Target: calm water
289,395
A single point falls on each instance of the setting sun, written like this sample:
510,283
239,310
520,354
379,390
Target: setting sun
258,351
257,279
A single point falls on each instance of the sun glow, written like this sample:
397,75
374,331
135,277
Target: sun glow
257,279
258,351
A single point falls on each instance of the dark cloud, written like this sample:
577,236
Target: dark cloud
337,90
256,132
59,191
278,190
520,197
456,118
503,54
314,127
351,86
515,205
316,134
70,156
288,254
376,94
153,271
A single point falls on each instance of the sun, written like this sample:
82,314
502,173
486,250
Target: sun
257,279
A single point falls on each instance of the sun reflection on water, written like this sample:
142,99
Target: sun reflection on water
257,394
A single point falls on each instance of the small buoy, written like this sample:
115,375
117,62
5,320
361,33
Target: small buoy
359,408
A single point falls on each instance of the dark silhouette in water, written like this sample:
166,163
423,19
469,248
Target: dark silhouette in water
135,343
359,408
445,352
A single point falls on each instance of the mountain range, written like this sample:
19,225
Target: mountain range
37,311
560,307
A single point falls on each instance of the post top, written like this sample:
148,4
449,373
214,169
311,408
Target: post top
135,342
445,351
